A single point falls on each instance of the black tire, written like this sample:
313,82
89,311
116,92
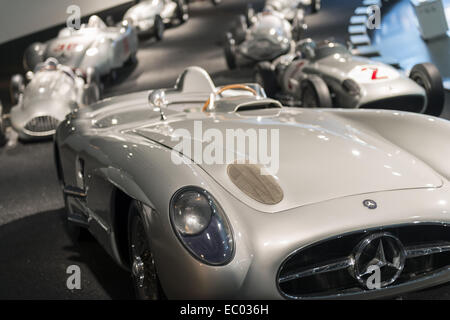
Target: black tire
316,5
229,52
429,77
249,14
159,28
266,77
113,76
143,268
240,29
315,93
3,139
78,234
182,14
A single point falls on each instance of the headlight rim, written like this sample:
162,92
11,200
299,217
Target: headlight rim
221,214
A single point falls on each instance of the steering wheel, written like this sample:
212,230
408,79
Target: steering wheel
229,87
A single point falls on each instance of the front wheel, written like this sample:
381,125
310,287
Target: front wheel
315,93
427,76
316,5
159,28
143,268
229,51
182,11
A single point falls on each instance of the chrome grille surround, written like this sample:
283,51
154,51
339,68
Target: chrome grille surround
427,250
41,126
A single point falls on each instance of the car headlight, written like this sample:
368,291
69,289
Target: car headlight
201,225
351,87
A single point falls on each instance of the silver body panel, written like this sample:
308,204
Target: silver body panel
331,160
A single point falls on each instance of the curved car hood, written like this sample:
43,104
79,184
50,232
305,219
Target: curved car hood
321,156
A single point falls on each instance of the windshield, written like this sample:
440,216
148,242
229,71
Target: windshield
48,85
329,48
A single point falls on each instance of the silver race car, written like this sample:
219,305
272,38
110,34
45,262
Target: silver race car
149,17
328,75
95,45
53,91
265,37
159,180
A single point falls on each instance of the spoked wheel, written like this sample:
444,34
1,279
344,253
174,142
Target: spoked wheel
315,93
266,77
428,77
316,5
159,28
143,269
182,11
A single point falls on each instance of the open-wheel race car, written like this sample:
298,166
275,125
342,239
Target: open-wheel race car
327,75
52,92
265,37
149,17
95,45
343,194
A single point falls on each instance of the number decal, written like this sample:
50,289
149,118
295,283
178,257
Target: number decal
373,74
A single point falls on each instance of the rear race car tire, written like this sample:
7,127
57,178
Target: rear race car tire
143,269
229,51
249,14
266,77
159,28
3,139
427,76
315,93
316,5
182,11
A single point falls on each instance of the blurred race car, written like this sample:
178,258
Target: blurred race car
264,38
328,75
94,45
52,92
149,17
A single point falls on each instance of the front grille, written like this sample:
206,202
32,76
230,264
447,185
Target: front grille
412,103
42,125
327,268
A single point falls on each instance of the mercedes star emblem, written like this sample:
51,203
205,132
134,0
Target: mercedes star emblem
370,204
381,250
